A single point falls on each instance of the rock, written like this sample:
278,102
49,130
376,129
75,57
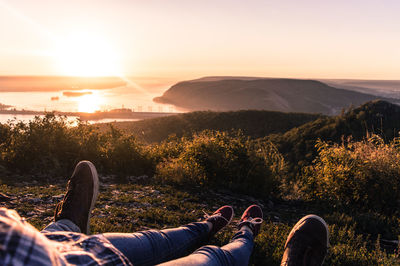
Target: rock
137,178
4,197
34,200
154,191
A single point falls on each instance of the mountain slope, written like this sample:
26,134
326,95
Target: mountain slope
252,123
298,144
284,95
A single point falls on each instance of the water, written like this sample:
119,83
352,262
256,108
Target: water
4,118
136,98
103,100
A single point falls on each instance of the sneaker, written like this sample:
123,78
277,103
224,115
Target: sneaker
252,218
220,218
82,192
307,243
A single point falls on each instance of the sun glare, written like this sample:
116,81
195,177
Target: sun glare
86,55
89,103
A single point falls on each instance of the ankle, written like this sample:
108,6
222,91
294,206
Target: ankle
246,228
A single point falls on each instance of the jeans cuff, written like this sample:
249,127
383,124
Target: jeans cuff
62,225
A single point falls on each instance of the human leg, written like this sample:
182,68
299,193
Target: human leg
73,212
61,225
307,243
237,252
154,246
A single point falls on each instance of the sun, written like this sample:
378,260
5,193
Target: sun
90,103
84,54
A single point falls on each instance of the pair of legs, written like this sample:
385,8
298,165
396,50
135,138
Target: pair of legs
152,247
306,245
171,246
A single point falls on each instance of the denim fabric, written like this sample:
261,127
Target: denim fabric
237,252
61,225
169,246
59,244
154,246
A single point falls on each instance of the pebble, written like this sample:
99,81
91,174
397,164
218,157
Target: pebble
35,200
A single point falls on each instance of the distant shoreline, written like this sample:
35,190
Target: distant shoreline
113,114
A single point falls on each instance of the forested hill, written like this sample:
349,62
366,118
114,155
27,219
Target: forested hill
252,123
284,95
376,117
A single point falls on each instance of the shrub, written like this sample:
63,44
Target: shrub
42,144
362,175
125,155
213,158
50,145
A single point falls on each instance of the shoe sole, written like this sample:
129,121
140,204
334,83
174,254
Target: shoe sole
95,179
312,216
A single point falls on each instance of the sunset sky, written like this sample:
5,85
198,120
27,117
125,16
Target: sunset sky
187,39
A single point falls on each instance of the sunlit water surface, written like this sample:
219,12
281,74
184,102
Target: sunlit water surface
93,100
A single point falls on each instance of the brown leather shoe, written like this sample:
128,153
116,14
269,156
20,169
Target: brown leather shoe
82,192
307,243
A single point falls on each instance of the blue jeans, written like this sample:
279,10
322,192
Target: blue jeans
169,246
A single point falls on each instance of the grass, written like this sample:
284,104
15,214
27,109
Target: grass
135,207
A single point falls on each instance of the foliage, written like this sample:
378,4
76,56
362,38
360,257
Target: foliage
364,174
298,144
51,145
125,155
213,158
253,123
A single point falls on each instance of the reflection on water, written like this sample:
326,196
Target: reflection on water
89,103
103,100
72,120
4,118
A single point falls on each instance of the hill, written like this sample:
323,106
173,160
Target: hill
377,117
284,95
252,123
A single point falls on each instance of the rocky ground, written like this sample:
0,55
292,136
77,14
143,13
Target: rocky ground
143,204
133,206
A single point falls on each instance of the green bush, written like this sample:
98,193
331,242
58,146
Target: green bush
52,146
42,144
217,159
125,155
363,175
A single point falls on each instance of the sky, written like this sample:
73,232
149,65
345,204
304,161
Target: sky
188,39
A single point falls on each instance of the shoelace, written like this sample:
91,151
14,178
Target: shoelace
253,221
206,216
